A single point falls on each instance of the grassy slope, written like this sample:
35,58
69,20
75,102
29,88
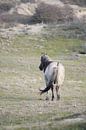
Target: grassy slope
21,106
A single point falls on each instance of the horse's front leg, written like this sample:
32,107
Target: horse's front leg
46,81
52,93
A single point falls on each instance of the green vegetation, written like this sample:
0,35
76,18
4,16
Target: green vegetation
30,45
70,127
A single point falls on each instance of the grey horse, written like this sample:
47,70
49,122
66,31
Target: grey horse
54,74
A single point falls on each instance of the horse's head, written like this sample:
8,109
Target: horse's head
44,62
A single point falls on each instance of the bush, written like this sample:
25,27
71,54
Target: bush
47,13
6,6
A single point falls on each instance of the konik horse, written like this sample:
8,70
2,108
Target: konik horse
54,74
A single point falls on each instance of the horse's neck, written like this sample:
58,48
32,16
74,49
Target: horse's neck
46,65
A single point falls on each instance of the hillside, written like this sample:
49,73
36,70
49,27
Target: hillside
34,16
75,2
21,11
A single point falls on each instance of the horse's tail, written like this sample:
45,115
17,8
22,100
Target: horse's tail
47,88
60,75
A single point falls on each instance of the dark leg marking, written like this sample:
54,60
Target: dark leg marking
57,89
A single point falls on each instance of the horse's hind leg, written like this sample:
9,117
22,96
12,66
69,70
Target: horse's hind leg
52,93
57,89
47,98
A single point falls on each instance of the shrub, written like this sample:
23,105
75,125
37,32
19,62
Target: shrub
51,13
6,6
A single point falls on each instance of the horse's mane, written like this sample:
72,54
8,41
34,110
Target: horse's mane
46,61
47,58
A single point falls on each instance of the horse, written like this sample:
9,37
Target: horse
54,74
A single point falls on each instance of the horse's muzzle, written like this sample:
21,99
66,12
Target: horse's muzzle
40,67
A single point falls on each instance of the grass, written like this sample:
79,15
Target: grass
70,127
35,45
21,106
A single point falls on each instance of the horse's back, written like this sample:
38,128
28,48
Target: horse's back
50,68
54,70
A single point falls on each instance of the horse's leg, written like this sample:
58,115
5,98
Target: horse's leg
52,93
57,89
47,98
